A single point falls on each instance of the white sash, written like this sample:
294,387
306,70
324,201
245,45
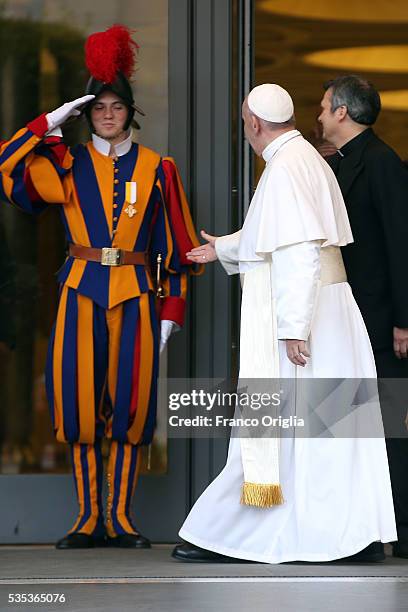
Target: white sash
259,359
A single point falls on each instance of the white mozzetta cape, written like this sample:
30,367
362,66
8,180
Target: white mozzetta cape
297,200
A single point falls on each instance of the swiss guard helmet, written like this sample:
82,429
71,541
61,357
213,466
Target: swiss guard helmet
110,58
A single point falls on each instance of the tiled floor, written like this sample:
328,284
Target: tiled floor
121,580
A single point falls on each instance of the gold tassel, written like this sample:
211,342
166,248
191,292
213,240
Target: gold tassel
261,495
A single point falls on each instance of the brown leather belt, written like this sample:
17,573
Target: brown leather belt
109,256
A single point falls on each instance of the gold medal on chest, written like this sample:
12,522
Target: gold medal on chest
130,211
131,197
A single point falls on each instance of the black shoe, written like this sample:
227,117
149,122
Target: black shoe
80,540
400,549
193,554
129,540
373,553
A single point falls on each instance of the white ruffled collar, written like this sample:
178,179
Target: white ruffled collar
104,147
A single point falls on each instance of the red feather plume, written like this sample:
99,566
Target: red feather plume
110,52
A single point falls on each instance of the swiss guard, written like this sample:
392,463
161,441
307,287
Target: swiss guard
122,287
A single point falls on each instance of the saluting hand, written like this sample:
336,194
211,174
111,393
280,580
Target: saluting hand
69,109
206,252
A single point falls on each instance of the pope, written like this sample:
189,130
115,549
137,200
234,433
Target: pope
299,498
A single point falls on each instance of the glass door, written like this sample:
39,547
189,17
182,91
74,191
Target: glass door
42,67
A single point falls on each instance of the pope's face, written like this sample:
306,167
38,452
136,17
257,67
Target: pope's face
327,118
109,115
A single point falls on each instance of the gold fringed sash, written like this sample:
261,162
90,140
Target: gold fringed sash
261,495
259,359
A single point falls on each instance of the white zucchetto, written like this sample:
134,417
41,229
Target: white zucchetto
271,102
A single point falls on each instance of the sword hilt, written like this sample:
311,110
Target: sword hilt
159,287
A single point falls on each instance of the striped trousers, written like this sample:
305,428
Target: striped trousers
101,379
102,367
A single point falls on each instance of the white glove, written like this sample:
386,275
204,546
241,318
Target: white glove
167,327
69,109
55,132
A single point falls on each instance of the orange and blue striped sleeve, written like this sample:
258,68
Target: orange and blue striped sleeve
173,236
33,168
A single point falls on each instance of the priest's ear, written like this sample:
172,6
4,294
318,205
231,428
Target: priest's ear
341,112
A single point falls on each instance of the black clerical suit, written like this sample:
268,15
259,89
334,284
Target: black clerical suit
374,183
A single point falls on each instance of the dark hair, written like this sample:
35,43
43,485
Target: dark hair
358,95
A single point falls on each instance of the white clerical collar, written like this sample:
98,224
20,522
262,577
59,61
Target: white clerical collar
276,144
104,147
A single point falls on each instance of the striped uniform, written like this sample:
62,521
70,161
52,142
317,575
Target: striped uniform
102,363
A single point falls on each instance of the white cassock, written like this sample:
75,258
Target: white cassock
337,491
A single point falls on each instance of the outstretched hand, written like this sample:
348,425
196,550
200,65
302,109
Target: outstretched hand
204,253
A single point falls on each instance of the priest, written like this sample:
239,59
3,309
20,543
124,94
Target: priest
296,498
